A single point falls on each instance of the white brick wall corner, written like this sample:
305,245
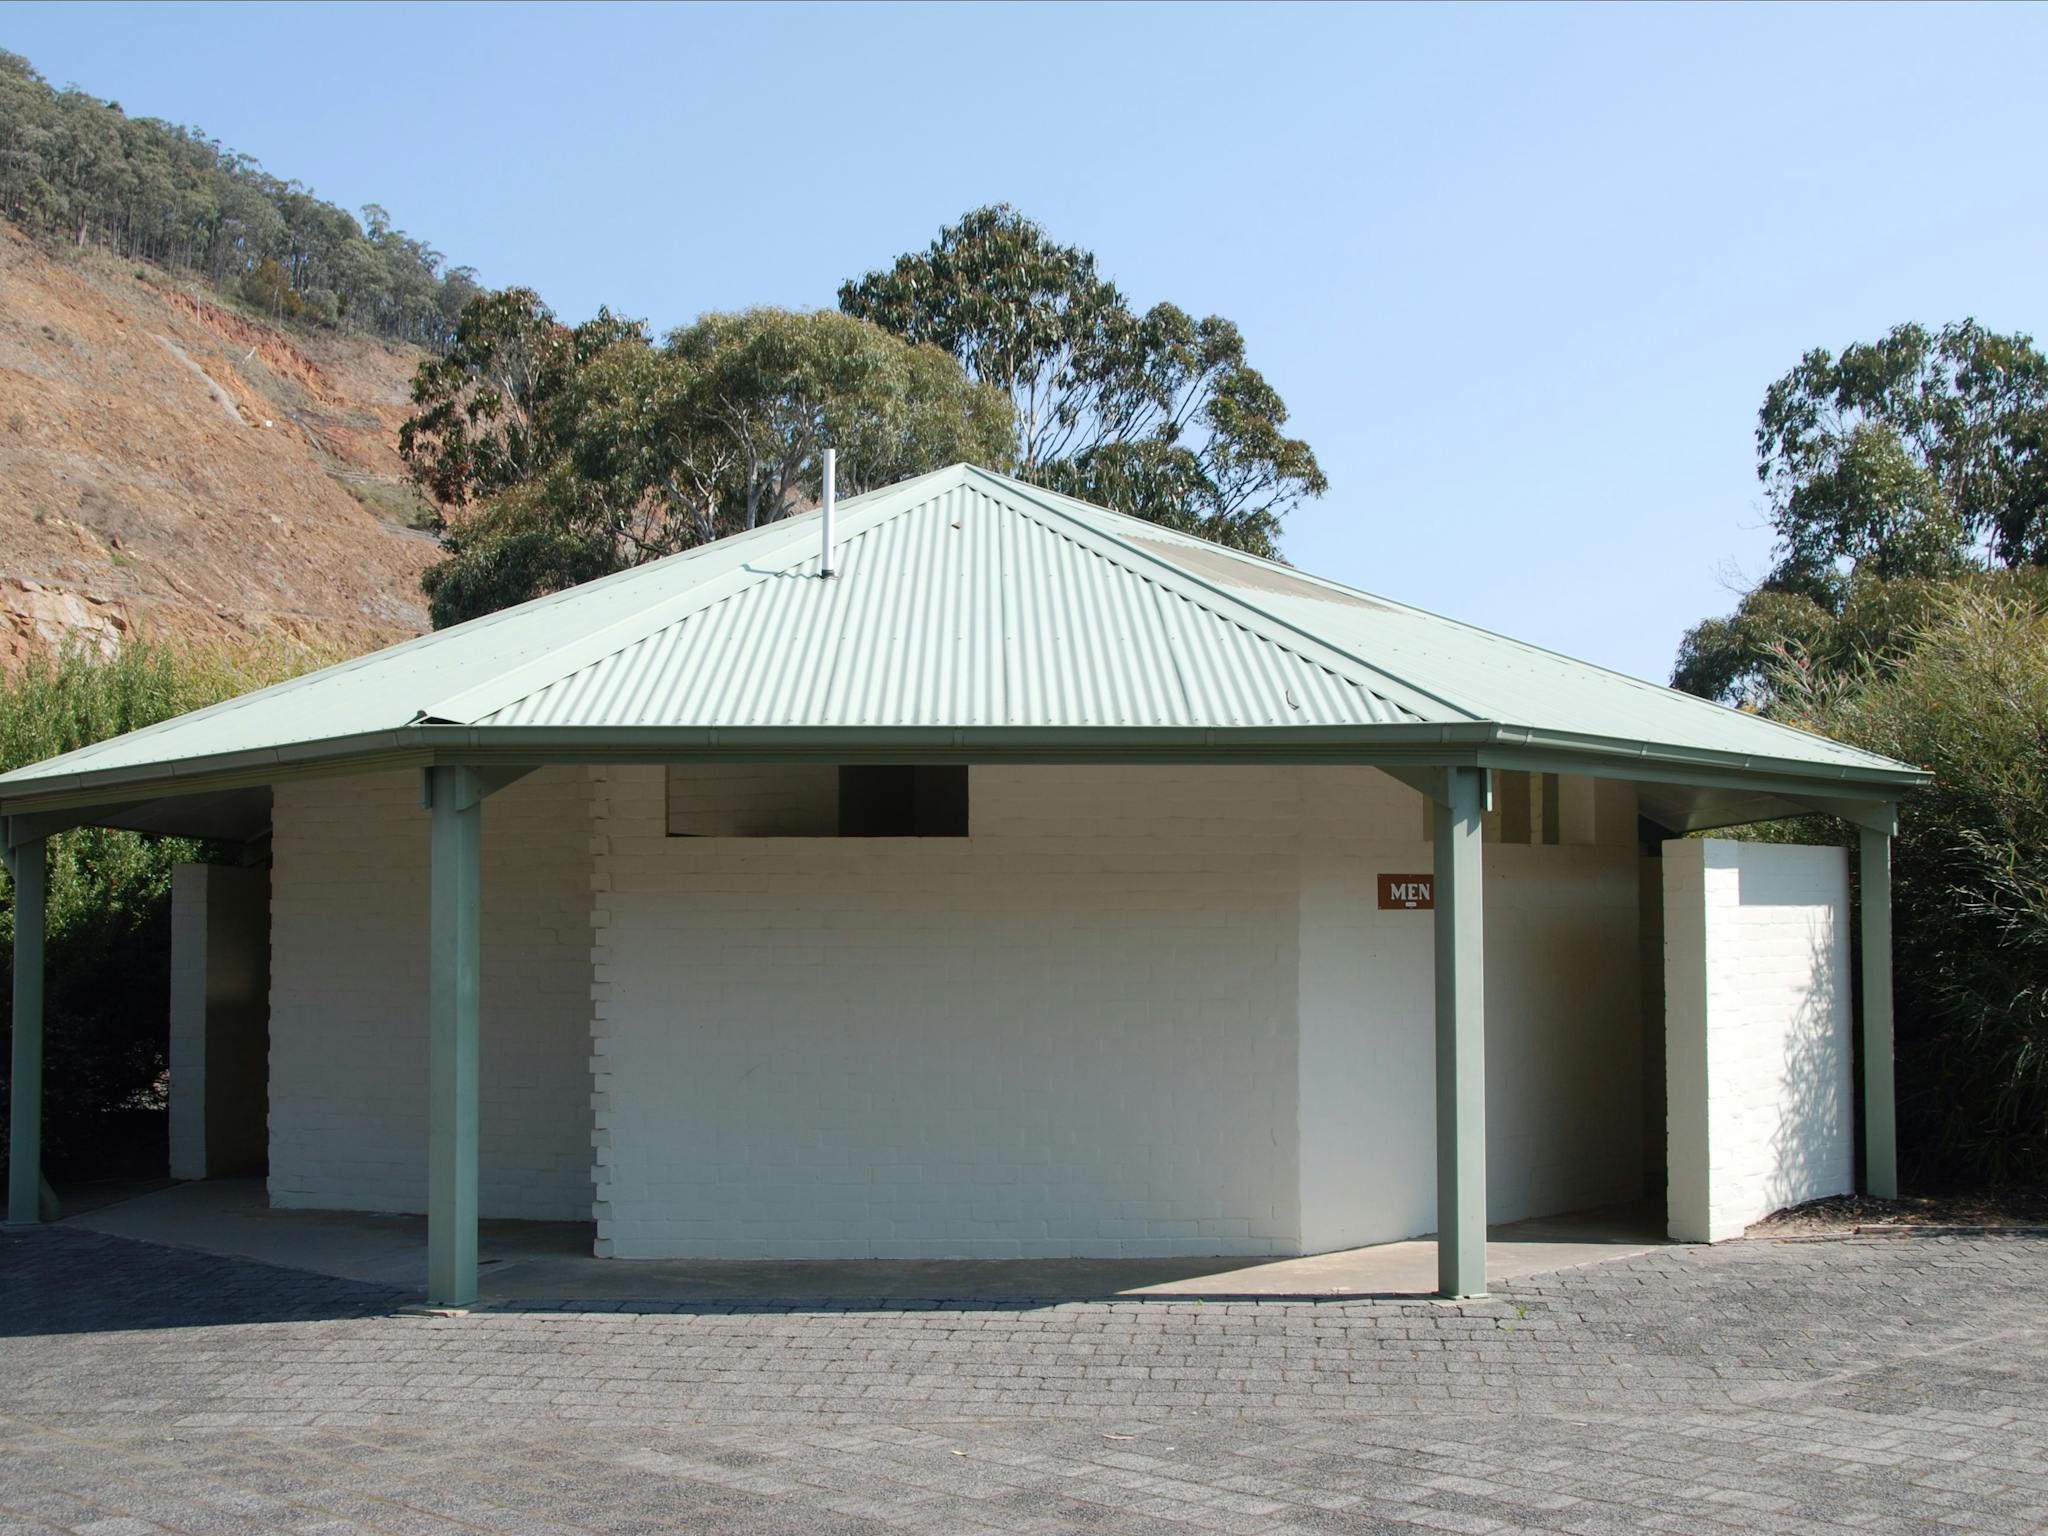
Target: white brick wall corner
1758,1024
601,1166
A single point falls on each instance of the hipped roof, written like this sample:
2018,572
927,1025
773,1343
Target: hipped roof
969,616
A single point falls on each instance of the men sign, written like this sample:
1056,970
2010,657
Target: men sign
1407,893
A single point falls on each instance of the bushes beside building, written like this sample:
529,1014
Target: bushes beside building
1967,696
107,988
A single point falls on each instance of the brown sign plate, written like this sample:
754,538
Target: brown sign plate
1407,893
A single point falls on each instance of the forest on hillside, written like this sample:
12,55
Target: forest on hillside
75,167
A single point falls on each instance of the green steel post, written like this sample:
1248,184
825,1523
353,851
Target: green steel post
454,966
1460,1037
1880,1104
27,864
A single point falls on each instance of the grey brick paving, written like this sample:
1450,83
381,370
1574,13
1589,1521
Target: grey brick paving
1874,1386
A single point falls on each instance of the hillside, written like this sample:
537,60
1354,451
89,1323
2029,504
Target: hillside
174,467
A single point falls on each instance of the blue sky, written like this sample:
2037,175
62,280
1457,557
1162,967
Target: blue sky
1521,273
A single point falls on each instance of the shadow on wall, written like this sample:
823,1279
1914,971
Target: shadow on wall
1811,1146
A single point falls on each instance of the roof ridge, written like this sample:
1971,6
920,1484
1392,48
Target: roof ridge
501,691
1381,679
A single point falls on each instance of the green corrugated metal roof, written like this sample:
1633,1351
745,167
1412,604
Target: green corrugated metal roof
967,603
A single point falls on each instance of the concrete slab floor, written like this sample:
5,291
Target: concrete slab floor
531,1261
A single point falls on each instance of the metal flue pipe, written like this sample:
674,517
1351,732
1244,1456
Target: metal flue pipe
831,498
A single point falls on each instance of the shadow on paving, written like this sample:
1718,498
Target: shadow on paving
550,1266
56,1280
64,1280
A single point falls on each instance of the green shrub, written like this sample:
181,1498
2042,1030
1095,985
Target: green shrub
107,965
1968,698
268,289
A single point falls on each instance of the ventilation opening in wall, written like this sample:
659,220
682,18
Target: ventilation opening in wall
816,800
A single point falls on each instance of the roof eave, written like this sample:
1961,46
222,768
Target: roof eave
1478,743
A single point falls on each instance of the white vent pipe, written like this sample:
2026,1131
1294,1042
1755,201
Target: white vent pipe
831,497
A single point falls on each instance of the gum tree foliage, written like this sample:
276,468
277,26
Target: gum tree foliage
1740,659
486,412
79,169
1156,413
1904,465
557,454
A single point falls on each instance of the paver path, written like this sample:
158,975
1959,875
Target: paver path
1875,1385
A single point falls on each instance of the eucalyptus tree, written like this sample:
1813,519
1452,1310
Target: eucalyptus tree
486,412
1907,464
1909,455
558,454
1155,413
782,385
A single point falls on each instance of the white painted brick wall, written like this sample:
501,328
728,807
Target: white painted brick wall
1563,1047
1072,1033
187,1045
1139,1011
1013,1044
749,800
1758,1021
1367,1056
220,964
348,1063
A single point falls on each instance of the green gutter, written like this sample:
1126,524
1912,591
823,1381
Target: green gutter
1473,744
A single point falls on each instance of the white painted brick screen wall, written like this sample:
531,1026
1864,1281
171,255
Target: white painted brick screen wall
1758,1019
1071,1033
348,1045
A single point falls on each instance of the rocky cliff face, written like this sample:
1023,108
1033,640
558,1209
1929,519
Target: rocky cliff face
174,468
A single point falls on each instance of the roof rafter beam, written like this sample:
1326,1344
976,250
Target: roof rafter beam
34,826
1433,784
473,785
1880,816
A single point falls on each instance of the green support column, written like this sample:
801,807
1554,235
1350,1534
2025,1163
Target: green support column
455,798
28,866
1880,1102
1460,1037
